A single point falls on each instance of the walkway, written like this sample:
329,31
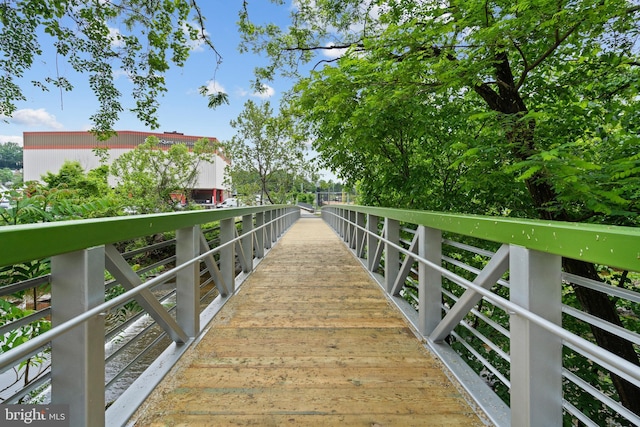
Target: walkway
309,340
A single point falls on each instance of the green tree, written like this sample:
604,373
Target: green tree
150,177
6,175
10,155
153,35
90,185
267,155
547,91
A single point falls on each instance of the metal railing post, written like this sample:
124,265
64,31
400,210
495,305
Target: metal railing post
344,229
247,242
227,253
259,235
187,280
536,354
275,217
352,228
360,221
274,226
372,241
268,216
429,280
77,357
391,253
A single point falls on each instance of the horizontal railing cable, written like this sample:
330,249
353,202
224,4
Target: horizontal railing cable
619,365
16,354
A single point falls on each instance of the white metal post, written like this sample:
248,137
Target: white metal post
247,242
260,235
391,253
268,238
278,226
187,280
228,254
429,280
360,221
77,357
536,354
352,229
372,241
344,230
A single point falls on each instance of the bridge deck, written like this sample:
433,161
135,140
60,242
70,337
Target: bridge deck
310,340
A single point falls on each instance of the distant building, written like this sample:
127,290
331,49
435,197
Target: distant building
47,151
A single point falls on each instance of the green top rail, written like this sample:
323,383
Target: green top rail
20,243
610,245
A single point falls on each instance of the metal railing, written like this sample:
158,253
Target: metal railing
492,300
170,300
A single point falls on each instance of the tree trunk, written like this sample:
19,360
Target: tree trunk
601,306
593,302
521,138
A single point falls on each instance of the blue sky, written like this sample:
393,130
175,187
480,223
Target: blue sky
183,109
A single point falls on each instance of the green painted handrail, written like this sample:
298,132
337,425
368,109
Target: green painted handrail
610,245
20,243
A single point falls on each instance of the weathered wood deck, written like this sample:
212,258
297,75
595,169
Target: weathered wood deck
309,340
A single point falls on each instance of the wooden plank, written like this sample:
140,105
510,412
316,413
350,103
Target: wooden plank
309,339
356,420
315,400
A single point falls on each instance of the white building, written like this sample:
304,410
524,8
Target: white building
47,151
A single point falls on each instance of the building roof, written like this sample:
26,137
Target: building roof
124,139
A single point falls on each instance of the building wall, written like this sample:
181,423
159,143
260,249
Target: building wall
47,151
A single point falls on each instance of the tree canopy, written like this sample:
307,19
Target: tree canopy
157,35
267,154
10,155
151,179
530,101
526,108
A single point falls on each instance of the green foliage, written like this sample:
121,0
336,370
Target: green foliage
152,36
90,185
9,313
267,154
18,336
149,175
475,107
20,272
38,203
6,175
521,109
10,156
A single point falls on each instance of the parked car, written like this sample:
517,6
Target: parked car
231,202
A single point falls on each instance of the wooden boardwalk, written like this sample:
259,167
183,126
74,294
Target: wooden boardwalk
309,340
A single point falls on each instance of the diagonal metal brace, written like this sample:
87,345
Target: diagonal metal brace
489,275
375,262
405,268
124,274
244,262
212,266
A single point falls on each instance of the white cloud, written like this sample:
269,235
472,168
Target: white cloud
34,118
214,87
267,92
333,53
114,35
117,73
11,138
195,45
